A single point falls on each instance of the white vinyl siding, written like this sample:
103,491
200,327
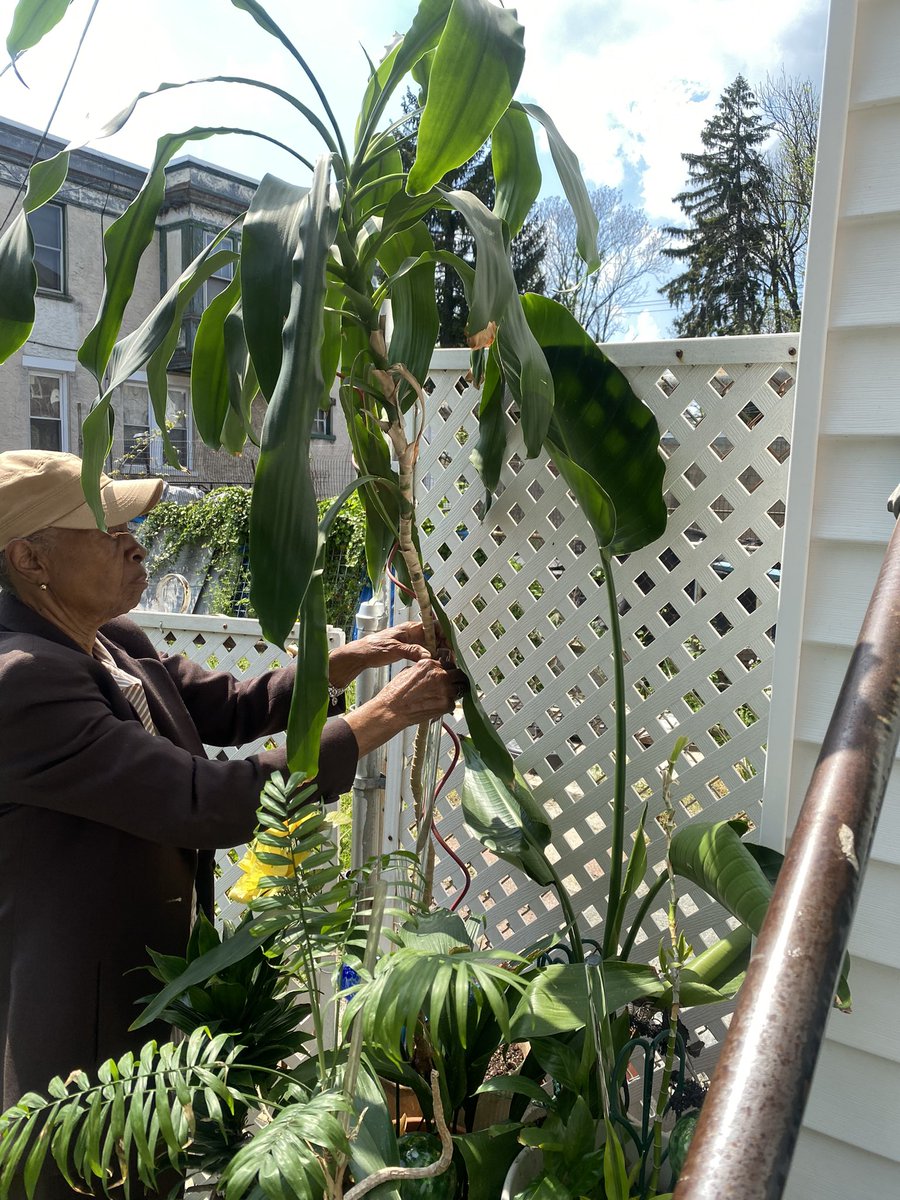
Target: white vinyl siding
846,463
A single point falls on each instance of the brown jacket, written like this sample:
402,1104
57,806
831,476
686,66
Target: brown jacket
99,822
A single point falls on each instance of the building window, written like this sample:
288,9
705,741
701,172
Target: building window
47,229
321,426
217,283
143,445
47,411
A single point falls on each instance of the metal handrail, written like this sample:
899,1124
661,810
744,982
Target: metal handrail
749,1124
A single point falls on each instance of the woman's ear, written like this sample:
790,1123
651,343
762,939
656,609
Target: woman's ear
27,561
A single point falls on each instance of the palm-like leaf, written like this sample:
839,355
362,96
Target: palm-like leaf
285,1158
138,1115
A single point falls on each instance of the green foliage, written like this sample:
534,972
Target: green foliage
724,283
220,523
136,1119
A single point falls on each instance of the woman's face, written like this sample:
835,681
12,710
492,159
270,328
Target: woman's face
93,575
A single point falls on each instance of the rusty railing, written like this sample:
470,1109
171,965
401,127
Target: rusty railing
749,1125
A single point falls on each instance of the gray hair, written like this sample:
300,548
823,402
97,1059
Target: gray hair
5,581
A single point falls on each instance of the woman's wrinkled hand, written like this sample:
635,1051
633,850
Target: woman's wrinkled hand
404,641
421,692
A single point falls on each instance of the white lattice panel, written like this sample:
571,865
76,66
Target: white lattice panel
232,644
698,614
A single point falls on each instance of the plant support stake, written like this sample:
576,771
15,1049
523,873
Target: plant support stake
749,1124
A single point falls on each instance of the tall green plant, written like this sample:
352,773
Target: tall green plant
305,301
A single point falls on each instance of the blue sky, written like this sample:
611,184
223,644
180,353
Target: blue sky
629,82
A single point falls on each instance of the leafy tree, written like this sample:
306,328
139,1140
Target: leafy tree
723,288
791,108
630,250
449,231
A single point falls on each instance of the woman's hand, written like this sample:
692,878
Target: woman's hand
406,641
421,692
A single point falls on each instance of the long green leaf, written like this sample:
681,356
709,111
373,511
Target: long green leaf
124,243
714,857
574,187
242,943
494,305
604,430
505,819
516,169
557,999
421,38
268,243
474,74
209,366
487,457
31,21
414,305
309,702
132,353
283,516
17,255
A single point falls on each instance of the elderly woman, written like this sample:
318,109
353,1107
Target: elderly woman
106,792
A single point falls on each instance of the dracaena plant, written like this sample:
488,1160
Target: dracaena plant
316,266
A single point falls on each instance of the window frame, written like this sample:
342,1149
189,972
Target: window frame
155,463
62,380
62,290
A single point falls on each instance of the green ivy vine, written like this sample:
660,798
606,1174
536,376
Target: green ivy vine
219,522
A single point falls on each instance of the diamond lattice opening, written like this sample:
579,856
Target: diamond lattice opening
694,475
693,414
721,383
780,449
750,415
721,447
668,443
667,382
781,382
721,508
750,479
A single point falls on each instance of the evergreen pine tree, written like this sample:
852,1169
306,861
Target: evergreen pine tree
723,289
450,232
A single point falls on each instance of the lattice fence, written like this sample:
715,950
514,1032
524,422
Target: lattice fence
232,644
698,614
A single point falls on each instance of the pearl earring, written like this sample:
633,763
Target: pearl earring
43,587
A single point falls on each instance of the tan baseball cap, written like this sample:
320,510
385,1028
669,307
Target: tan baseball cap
42,488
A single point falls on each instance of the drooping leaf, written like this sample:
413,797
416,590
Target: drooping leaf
283,516
31,21
268,242
505,819
713,856
209,366
487,457
474,74
574,187
516,169
414,305
135,351
17,255
557,999
494,306
599,426
309,702
124,242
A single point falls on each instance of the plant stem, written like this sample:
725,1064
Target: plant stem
614,899
387,1174
569,913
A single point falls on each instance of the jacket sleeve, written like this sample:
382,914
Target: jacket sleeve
64,747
